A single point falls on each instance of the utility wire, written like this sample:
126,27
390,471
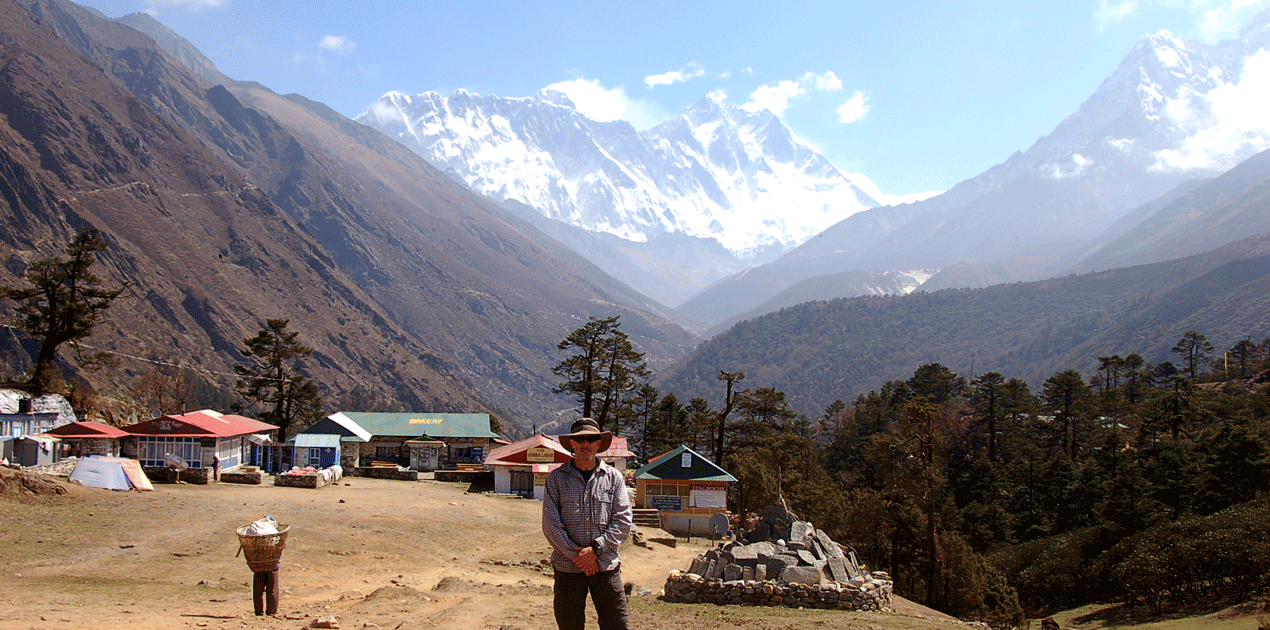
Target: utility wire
137,358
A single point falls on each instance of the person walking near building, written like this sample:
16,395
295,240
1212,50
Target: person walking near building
586,515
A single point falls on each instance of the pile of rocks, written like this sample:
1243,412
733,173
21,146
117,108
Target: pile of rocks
781,561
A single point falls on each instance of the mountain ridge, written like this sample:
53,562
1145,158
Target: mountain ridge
714,172
413,291
1032,215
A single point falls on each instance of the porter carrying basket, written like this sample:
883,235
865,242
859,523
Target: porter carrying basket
264,551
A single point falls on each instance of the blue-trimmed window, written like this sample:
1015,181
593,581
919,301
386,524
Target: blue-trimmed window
152,448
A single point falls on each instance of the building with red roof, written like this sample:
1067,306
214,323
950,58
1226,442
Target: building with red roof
83,439
522,467
199,439
618,455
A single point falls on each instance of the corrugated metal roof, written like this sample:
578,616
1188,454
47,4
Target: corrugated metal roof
415,424
317,440
671,466
339,424
203,423
617,449
514,454
87,430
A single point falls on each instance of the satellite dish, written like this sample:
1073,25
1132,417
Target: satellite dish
719,524
155,414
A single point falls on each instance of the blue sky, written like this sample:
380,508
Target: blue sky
915,95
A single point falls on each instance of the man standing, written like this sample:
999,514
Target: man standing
586,515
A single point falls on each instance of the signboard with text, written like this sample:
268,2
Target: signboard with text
667,503
540,454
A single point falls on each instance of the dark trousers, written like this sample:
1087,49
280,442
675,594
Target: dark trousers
607,594
264,592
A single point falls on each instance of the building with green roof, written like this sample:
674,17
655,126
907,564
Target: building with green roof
451,438
685,488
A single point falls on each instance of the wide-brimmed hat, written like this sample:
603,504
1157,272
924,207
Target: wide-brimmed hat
586,426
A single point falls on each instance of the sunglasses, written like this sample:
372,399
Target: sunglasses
586,438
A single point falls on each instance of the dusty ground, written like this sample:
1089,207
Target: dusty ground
371,553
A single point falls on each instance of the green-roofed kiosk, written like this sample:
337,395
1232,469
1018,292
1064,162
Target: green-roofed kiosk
685,488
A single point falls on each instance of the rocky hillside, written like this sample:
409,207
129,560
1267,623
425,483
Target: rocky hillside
413,291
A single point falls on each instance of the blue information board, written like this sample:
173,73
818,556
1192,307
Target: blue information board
667,503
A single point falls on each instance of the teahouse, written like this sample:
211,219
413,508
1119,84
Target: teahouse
466,436
618,454
199,439
83,439
686,488
322,445
522,467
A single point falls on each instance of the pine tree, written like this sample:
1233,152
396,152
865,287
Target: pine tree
63,304
604,369
271,379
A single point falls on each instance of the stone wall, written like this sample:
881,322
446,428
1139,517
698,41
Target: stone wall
386,473
874,595
61,468
166,474
245,474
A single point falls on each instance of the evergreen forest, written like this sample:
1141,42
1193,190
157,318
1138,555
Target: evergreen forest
1139,483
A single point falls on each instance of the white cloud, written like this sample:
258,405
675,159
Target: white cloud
854,109
776,98
1223,127
337,43
827,82
1214,19
1077,166
594,100
597,102
1224,20
1114,11
686,73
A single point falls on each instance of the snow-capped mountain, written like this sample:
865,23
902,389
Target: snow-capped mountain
716,171
1173,111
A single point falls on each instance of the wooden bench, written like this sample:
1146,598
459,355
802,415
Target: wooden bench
470,467
378,464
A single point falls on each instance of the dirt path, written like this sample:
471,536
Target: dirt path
372,553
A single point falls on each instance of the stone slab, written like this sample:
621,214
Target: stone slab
699,566
837,570
801,575
832,550
799,531
805,557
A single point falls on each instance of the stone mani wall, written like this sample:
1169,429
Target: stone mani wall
781,561
690,588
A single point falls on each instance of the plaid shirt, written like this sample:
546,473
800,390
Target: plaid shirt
577,513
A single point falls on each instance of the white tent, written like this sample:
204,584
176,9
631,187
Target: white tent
109,473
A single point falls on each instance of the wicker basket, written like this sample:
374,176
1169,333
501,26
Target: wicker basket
263,552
